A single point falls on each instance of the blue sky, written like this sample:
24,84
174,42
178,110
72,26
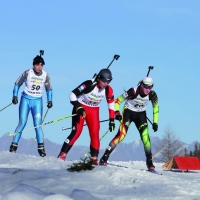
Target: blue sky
81,37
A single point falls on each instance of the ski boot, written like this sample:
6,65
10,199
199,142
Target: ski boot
41,149
94,160
13,147
62,155
149,163
103,160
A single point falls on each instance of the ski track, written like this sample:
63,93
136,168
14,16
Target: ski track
30,177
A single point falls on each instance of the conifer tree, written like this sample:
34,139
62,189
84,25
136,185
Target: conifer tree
169,146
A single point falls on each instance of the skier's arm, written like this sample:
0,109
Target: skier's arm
82,88
110,101
19,82
154,101
48,88
130,93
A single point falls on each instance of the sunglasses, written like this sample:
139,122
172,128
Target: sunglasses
105,80
147,86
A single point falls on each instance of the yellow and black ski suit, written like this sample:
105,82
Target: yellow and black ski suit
135,111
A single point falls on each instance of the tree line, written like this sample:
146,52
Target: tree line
196,151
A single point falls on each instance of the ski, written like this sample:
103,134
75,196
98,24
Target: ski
116,165
153,171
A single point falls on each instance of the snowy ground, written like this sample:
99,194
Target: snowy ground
34,178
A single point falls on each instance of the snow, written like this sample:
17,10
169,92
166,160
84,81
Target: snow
26,177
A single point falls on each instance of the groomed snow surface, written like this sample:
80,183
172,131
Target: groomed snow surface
26,177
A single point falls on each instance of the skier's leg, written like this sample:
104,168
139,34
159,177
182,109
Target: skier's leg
121,134
36,110
92,120
77,126
23,117
142,126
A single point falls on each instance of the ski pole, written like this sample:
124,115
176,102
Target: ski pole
149,120
116,57
45,115
41,53
6,106
150,67
104,135
35,139
53,121
83,125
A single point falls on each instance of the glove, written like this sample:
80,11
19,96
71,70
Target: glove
118,116
155,127
15,100
49,104
111,125
80,111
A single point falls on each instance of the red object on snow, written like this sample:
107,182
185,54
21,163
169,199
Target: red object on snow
186,163
182,163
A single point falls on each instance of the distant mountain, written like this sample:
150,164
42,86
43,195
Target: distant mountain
124,151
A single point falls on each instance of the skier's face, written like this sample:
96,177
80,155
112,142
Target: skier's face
38,67
102,84
145,89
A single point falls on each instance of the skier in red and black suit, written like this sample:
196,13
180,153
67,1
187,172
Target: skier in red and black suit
86,99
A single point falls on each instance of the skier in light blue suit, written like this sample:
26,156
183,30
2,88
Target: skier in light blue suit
35,80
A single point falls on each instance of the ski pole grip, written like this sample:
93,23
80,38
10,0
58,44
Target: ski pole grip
116,56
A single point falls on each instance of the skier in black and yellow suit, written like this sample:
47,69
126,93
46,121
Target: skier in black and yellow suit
135,111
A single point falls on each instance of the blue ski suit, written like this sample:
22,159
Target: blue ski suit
31,99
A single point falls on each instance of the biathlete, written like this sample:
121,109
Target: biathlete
134,110
35,79
86,99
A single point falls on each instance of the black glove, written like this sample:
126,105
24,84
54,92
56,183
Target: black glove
15,100
118,116
155,127
80,111
111,125
49,104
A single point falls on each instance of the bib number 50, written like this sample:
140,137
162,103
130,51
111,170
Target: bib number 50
35,87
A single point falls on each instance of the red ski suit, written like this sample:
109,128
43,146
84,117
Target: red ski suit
89,97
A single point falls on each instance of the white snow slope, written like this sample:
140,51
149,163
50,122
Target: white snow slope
24,177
